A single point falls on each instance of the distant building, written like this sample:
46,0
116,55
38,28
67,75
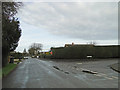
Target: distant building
69,45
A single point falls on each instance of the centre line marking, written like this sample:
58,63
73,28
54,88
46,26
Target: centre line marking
114,77
79,63
102,73
108,78
98,75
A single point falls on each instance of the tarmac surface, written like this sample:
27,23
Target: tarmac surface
38,73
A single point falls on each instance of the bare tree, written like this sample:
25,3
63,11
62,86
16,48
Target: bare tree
35,48
92,43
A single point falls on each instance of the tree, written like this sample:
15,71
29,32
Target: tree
11,31
16,55
35,48
92,43
31,51
24,52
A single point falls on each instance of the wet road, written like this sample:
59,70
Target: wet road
36,73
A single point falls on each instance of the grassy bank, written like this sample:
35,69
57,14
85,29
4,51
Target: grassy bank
7,69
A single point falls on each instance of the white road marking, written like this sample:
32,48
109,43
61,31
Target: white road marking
98,75
102,75
108,78
84,69
79,63
115,77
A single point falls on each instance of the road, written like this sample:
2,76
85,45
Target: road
36,73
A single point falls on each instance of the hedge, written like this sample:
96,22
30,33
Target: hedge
82,51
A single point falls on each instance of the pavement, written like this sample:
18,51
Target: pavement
38,73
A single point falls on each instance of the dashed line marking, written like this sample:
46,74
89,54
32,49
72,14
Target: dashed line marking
79,63
108,78
114,77
102,75
97,75
83,69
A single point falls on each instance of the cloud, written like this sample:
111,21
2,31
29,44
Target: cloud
87,21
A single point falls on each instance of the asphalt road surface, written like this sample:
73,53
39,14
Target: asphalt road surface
36,73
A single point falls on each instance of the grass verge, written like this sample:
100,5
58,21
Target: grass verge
0,73
7,69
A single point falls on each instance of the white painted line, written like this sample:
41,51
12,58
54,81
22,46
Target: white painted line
108,78
102,74
97,75
115,77
84,69
79,63
94,72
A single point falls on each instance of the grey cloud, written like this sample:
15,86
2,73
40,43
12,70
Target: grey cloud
88,21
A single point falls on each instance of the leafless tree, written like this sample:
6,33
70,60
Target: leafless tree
35,48
92,43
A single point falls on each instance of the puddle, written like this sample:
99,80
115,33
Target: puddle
66,72
75,66
56,68
88,71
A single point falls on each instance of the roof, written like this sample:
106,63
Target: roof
68,45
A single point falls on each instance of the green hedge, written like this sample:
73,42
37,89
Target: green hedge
106,52
82,51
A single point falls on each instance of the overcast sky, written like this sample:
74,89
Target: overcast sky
55,24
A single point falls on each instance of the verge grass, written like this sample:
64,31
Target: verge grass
7,69
0,73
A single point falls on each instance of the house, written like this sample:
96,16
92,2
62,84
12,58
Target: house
69,45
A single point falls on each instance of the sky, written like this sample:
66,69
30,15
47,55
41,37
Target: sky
55,24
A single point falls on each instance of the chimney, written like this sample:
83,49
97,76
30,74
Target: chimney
72,43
